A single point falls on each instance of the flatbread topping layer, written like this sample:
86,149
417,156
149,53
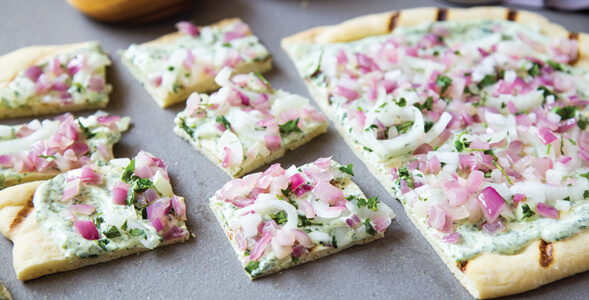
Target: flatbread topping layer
280,218
64,78
42,149
247,122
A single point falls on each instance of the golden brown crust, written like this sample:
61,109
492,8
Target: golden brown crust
488,275
206,84
35,254
4,294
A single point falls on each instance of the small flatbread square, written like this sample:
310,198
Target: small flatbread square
40,150
247,123
280,218
91,215
177,64
42,80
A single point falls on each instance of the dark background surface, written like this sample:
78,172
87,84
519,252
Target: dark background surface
402,265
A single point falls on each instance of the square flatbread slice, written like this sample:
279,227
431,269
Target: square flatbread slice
476,124
91,215
177,64
282,218
247,123
40,150
4,294
42,80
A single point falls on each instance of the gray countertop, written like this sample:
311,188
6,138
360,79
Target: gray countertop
402,265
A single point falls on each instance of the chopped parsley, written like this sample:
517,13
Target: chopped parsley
428,104
461,144
290,126
527,212
347,169
87,133
317,71
401,102
567,112
102,244
369,229
428,126
112,232
405,127
279,217
371,203
486,81
556,66
251,266
443,82
223,120
334,241
534,71
138,184
405,175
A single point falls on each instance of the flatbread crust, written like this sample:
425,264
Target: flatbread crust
4,294
488,275
35,254
20,59
207,84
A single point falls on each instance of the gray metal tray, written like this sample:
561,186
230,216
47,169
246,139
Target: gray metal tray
402,265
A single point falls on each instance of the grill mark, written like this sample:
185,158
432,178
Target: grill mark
22,214
393,21
546,254
512,14
462,266
575,36
442,14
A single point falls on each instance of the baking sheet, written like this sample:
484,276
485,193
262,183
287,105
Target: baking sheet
402,265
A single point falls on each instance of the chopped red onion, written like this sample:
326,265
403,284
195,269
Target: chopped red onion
83,209
564,159
72,188
346,93
303,238
468,162
241,241
327,192
33,73
284,237
547,211
453,238
150,195
436,217
299,250
353,221
157,224
546,136
302,190
296,180
434,165
76,64
174,232
323,162
491,203
119,193
159,209
518,197
187,28
273,142
87,229
260,247
493,228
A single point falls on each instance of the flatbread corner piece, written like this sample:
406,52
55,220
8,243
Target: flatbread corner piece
175,65
42,80
247,123
39,150
4,294
280,218
91,215
458,116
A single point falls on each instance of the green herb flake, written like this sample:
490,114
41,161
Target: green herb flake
102,244
443,82
290,126
527,212
369,229
486,81
252,266
279,217
347,169
567,112
112,232
371,203
223,120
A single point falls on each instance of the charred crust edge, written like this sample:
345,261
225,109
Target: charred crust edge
442,14
393,20
512,14
22,214
546,254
